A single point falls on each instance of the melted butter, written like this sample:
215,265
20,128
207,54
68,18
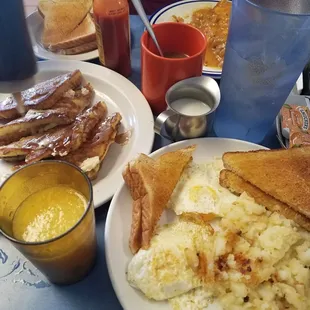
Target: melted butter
123,138
19,101
48,213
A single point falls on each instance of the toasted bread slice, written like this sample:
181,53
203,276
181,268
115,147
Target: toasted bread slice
90,155
237,186
81,37
35,121
58,141
62,18
83,48
282,174
45,6
151,183
43,95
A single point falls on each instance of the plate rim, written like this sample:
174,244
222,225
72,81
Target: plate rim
143,113
113,203
54,56
216,74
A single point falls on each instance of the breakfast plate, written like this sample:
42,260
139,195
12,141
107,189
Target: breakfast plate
185,9
120,95
118,224
35,27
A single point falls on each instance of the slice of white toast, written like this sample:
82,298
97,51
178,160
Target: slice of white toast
151,183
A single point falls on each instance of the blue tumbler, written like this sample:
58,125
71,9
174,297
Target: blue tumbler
17,60
268,46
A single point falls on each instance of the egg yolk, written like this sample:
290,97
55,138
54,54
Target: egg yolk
196,192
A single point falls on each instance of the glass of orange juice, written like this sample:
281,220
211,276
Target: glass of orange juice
47,212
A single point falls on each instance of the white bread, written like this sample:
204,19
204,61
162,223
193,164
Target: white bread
237,186
45,6
67,25
81,39
83,48
282,174
151,183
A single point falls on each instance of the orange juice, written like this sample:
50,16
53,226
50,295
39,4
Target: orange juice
48,213
50,219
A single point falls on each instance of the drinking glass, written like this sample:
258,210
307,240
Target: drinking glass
69,257
267,48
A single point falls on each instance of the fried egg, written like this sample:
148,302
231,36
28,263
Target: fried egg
167,268
250,259
199,191
197,299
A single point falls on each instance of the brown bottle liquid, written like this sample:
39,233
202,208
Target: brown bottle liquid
113,34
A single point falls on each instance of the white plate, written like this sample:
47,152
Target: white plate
185,9
35,27
120,95
118,222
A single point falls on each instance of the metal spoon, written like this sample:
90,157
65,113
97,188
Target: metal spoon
140,10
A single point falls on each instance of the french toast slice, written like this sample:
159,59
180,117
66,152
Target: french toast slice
90,155
237,186
151,183
37,121
42,96
282,174
8,109
58,141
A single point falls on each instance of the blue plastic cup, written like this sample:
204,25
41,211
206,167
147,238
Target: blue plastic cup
267,47
17,59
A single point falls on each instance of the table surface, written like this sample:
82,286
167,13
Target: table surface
22,286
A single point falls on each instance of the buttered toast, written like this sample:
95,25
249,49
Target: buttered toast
79,38
61,18
68,26
151,183
237,186
282,174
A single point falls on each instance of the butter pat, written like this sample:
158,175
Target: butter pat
70,94
84,91
90,163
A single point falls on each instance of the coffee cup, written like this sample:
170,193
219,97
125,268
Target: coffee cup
184,49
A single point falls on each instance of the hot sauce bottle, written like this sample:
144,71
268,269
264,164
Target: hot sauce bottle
113,34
